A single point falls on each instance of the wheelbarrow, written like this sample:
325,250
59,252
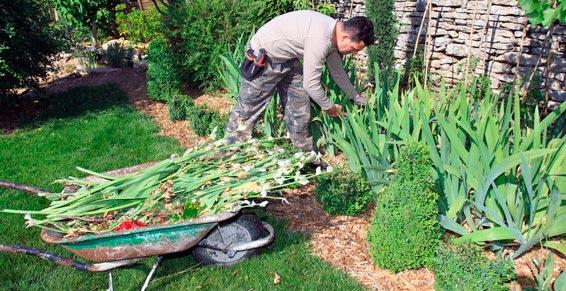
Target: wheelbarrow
223,239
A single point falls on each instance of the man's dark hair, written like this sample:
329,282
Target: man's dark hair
360,28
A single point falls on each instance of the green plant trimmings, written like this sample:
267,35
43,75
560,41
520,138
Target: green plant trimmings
463,267
343,192
404,232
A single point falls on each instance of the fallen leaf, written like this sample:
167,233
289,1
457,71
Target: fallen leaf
276,279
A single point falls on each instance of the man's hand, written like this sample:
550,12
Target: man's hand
360,100
335,111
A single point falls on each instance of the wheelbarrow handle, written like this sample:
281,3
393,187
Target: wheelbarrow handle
97,267
21,187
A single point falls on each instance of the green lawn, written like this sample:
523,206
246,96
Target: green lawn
95,128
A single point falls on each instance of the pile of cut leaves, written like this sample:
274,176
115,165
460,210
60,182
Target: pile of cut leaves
206,180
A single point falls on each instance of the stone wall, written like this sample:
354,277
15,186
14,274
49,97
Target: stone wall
494,47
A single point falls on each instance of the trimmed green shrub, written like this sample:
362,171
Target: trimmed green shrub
203,120
162,77
343,192
26,43
462,267
404,232
179,106
138,25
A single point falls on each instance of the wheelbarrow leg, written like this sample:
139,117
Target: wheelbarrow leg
152,273
110,284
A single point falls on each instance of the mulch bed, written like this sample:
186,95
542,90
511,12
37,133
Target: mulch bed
339,240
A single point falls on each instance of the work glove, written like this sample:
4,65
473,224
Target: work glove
335,111
360,100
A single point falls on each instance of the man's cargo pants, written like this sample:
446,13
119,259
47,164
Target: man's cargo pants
287,79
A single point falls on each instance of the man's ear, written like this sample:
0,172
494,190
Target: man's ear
346,36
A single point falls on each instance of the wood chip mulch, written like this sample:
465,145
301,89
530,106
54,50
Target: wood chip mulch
338,240
341,241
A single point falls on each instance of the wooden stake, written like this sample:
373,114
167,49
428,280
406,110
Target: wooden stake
518,59
470,44
420,29
484,34
547,73
351,8
427,42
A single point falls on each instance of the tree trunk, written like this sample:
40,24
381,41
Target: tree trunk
94,33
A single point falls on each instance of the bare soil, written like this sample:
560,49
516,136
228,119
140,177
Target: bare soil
339,240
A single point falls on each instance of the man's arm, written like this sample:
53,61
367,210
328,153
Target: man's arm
341,79
313,62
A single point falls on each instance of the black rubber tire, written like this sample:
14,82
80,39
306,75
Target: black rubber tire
244,228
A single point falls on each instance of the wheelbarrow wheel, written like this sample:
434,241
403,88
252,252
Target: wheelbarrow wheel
244,229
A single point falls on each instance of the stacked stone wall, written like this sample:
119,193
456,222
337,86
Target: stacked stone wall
498,40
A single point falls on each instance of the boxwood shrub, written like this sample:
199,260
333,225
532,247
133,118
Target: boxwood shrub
343,192
404,231
179,106
163,80
463,267
203,120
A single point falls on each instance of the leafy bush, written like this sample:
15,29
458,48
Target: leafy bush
544,12
464,267
26,43
343,192
202,41
69,38
404,231
138,25
96,15
162,78
203,121
179,106
119,56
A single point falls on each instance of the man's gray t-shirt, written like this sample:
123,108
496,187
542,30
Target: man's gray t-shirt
307,36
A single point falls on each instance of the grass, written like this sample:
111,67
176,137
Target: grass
95,128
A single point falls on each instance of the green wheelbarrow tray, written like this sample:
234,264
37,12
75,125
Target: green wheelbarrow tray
222,239
139,242
149,241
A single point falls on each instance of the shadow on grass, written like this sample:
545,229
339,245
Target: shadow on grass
71,103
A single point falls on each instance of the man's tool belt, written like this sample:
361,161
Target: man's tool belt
253,65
